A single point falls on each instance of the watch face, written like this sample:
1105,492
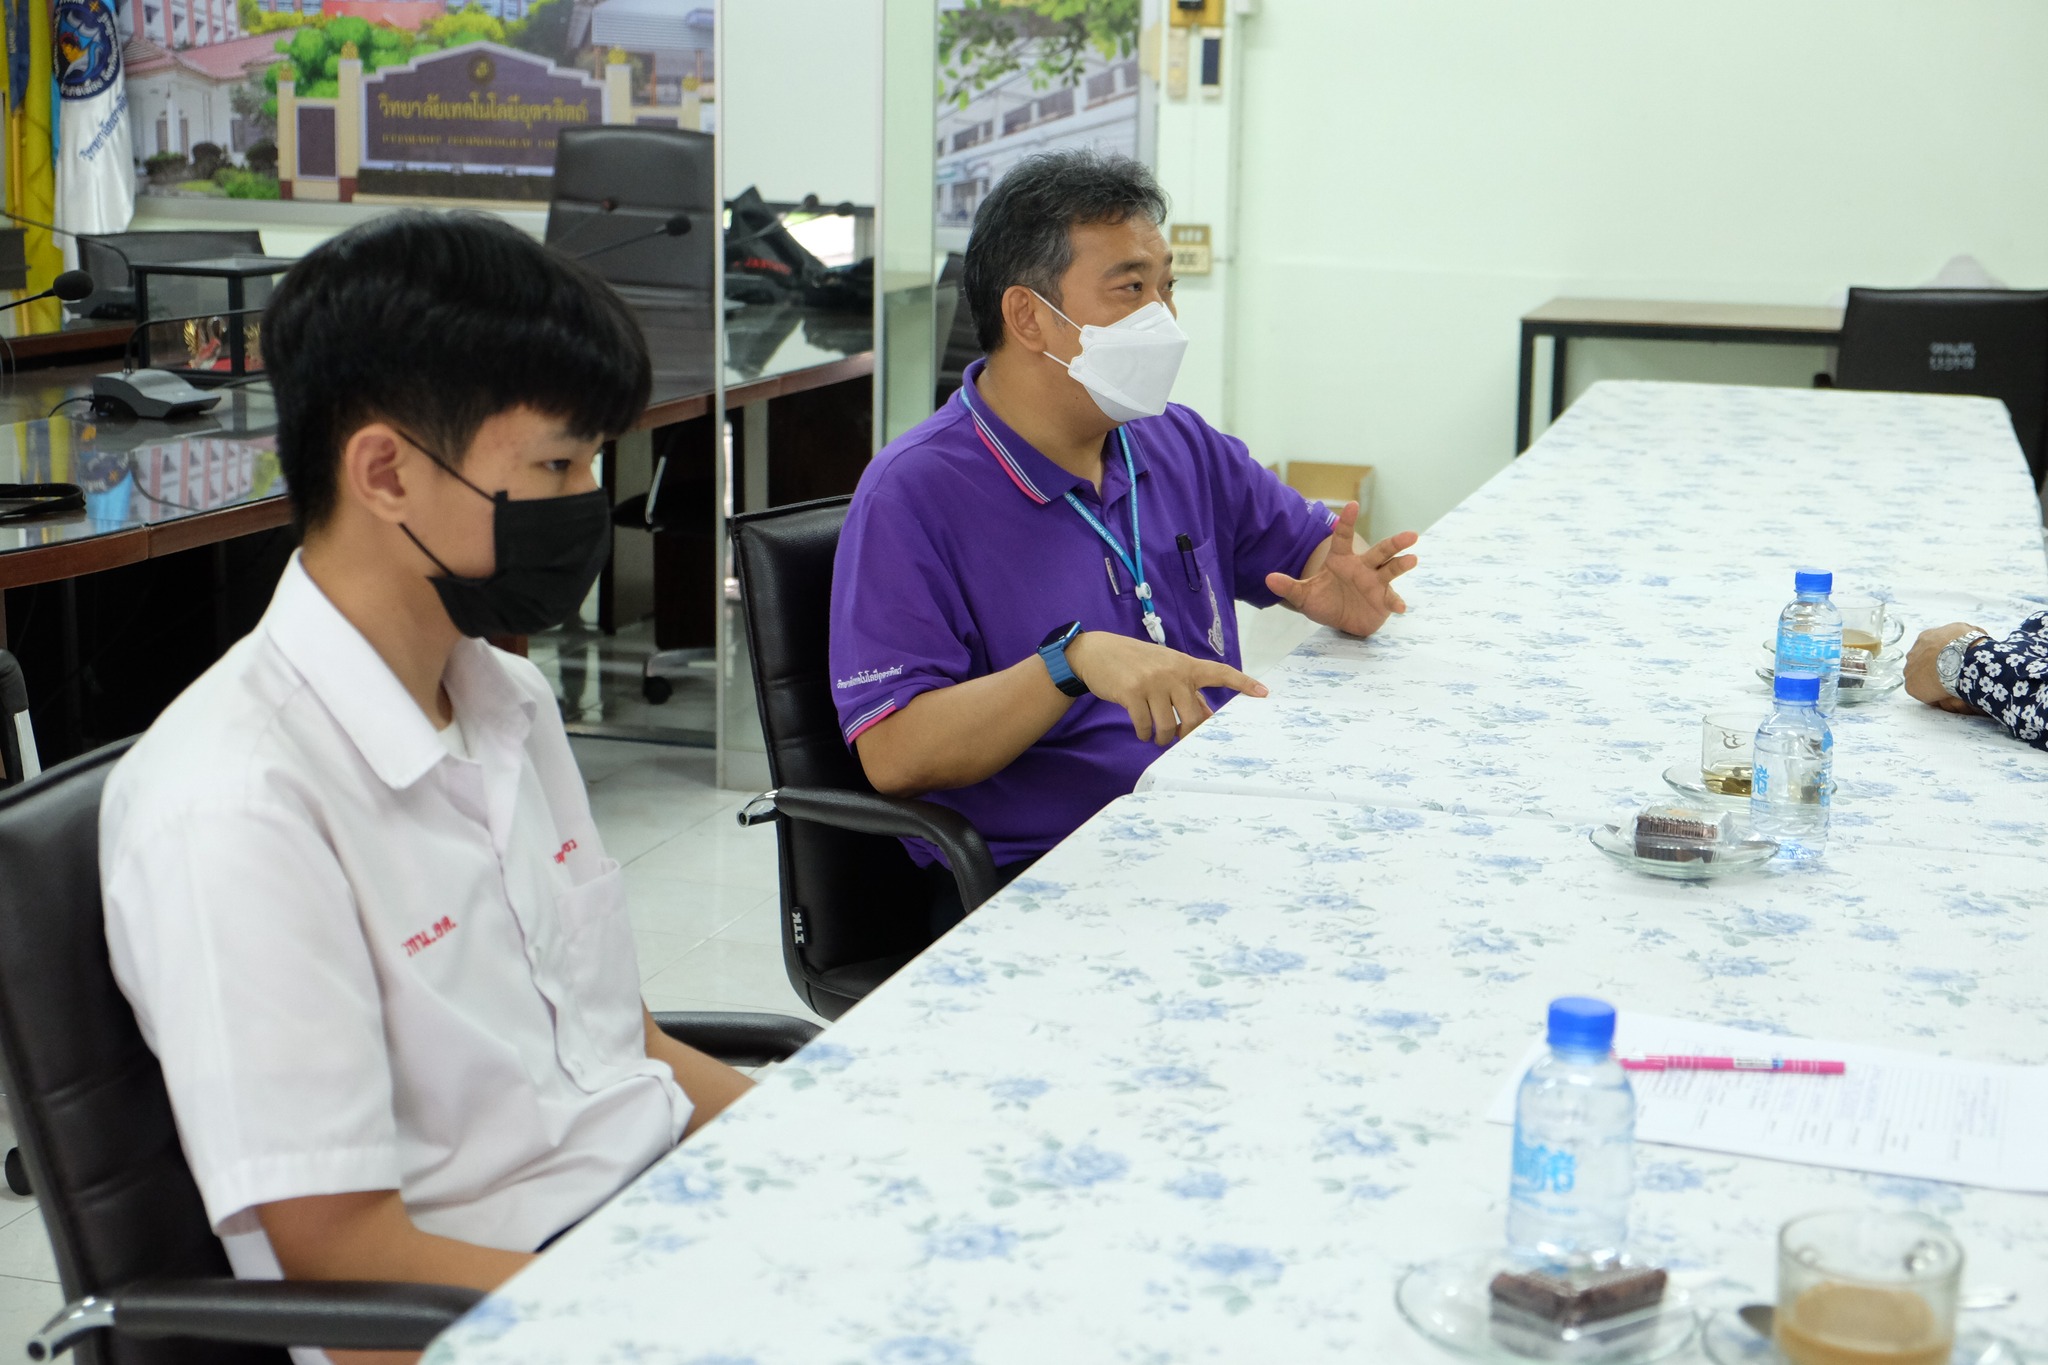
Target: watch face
1059,634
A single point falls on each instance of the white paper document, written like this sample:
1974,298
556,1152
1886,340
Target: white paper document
1892,1112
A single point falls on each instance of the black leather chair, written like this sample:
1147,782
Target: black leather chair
646,176
148,1281
1990,342
961,347
854,907
17,741
108,256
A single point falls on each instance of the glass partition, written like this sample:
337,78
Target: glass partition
813,343
906,273
800,146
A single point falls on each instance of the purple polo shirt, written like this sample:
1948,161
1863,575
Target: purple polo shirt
960,555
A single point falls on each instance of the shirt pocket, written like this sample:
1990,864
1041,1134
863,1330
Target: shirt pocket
600,973
1196,583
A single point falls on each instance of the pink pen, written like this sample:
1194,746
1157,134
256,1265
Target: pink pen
1794,1066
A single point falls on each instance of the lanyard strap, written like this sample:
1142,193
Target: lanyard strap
1134,562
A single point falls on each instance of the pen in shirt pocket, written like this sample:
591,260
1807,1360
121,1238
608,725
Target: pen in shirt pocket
1187,559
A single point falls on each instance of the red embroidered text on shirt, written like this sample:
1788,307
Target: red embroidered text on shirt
562,853
429,936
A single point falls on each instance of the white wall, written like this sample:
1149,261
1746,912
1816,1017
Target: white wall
1415,174
799,103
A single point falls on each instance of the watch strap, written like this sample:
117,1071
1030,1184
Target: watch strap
1948,665
1054,653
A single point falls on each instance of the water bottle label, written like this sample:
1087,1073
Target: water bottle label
1803,653
1543,1170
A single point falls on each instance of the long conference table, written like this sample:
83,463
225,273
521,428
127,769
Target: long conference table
1205,1081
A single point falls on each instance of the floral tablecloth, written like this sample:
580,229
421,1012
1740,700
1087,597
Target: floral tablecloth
1574,619
1200,1086
1203,1083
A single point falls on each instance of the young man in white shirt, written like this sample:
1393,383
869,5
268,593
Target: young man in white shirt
353,888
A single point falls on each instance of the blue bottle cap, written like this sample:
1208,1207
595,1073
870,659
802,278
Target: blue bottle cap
1579,1023
1813,580
1802,687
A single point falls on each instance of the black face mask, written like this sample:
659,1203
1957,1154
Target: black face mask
549,552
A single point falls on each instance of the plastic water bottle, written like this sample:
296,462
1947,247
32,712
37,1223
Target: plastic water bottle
1810,635
1794,776
1575,1128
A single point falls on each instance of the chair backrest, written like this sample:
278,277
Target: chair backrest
101,256
1991,342
863,899
649,175
90,1111
14,760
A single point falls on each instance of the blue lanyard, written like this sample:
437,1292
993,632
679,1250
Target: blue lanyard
1134,562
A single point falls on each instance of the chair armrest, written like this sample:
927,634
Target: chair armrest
974,869
738,1038
350,1315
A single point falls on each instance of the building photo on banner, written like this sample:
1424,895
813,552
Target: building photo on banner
1001,682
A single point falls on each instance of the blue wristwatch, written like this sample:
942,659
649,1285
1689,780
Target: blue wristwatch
1054,652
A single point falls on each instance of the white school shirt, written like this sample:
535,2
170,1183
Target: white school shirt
367,962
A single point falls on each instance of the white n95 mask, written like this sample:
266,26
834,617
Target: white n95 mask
1129,367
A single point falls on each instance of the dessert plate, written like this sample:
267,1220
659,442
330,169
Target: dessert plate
1744,855
1886,676
1450,1302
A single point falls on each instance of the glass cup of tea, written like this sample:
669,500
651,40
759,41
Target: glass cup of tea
1865,1287
1868,629
1727,740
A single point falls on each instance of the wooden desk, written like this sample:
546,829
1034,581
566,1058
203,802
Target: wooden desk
68,345
1755,324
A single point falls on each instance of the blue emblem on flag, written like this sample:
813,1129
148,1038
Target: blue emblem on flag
88,48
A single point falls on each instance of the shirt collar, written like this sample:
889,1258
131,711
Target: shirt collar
366,698
1035,476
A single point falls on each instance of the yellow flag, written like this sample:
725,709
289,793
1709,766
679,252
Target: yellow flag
32,172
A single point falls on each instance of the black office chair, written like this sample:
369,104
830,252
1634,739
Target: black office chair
1989,342
18,761
107,257
854,907
646,176
956,324
148,1281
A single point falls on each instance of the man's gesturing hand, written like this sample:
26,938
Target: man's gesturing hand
1346,588
1160,687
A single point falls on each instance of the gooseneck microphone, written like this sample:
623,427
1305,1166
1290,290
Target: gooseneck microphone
71,286
605,208
677,225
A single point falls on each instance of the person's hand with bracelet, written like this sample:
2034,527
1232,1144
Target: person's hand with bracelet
1935,662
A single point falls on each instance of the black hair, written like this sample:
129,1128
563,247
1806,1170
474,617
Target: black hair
1024,230
437,322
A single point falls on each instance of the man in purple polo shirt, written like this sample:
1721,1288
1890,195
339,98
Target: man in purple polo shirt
1034,587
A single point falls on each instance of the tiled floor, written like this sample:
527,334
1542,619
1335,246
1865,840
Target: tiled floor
702,894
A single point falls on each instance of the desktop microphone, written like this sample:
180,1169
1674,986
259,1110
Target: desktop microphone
71,286
677,225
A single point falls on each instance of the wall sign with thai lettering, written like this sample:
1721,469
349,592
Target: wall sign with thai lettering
479,107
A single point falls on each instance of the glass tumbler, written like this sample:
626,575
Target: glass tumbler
1864,1287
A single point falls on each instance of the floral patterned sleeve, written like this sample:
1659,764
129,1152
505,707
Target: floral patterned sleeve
2008,680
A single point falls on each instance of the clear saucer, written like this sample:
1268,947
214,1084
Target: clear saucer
1449,1301
1745,855
1729,1341
1887,676
1685,778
